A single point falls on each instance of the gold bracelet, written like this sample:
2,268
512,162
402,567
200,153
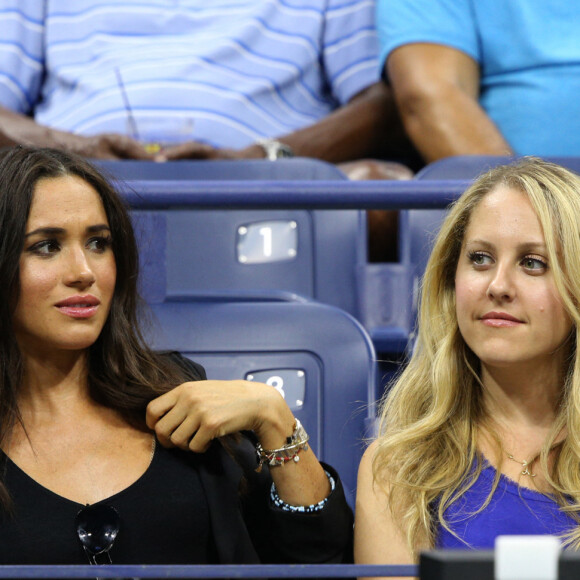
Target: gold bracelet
289,452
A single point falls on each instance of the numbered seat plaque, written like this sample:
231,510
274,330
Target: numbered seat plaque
268,241
290,383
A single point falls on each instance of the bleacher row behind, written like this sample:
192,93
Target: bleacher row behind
281,291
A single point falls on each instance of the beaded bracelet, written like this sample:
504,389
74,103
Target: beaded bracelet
289,452
304,509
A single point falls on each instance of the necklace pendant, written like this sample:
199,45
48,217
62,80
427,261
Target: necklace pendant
525,465
526,470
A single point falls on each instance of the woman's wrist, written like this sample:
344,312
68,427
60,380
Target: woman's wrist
307,509
290,451
277,422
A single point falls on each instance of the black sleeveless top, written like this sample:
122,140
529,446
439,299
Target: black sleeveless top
164,518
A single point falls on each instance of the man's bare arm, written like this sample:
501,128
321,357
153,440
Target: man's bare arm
17,129
367,126
437,91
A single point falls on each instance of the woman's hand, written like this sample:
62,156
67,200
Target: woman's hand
194,413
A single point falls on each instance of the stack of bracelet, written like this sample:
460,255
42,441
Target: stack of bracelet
289,452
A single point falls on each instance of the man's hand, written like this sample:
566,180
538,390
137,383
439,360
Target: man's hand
195,150
105,146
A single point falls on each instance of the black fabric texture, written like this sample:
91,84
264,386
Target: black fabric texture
186,508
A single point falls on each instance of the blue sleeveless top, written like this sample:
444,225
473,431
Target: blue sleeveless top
512,510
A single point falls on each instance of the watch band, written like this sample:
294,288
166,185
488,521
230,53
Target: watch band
275,149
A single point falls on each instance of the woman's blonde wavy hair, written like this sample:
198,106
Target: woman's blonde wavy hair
426,448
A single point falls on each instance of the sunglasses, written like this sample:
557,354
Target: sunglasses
97,527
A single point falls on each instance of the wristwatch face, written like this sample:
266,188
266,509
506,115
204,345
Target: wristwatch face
283,150
275,149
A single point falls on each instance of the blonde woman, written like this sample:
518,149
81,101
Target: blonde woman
480,434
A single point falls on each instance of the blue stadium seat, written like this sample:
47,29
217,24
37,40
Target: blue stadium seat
263,295
187,251
470,166
386,294
320,357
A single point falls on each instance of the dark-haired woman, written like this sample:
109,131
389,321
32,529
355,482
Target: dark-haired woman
111,452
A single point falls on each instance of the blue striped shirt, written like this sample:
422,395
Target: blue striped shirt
224,72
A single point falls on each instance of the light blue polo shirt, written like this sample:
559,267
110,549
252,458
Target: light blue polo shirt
529,54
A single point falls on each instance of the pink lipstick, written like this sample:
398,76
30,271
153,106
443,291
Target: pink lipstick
500,320
79,306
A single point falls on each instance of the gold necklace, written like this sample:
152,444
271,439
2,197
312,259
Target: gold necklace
524,464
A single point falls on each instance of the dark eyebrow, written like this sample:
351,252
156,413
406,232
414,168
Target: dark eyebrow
48,231
98,228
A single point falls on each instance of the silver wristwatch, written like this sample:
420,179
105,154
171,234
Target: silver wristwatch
275,149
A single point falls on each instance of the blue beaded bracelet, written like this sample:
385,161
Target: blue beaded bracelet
304,509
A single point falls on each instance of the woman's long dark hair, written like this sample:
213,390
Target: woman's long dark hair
123,373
